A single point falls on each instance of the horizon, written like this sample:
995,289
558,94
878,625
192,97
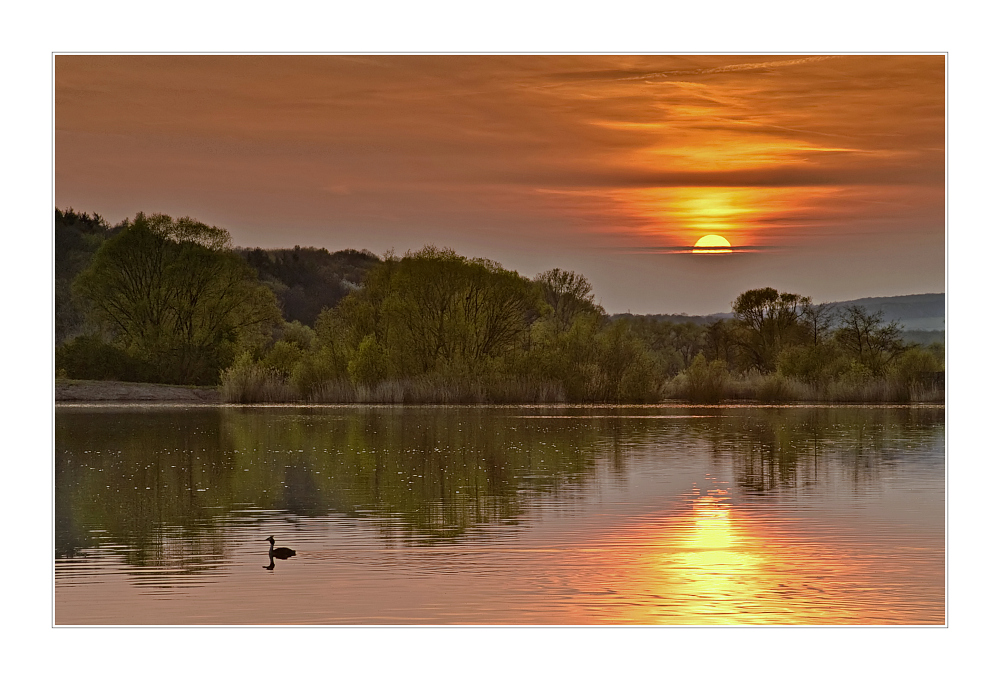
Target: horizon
824,172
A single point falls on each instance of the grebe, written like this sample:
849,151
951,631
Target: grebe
280,553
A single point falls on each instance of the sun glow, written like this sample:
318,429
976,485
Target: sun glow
712,244
712,565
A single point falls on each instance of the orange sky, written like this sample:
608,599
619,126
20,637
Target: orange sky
826,172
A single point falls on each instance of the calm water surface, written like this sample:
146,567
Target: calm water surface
526,515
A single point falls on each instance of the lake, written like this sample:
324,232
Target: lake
553,515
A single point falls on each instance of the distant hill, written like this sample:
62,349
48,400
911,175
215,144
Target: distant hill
675,318
920,316
305,280
924,312
913,312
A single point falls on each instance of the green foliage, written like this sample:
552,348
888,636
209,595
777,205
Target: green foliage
857,374
567,295
813,363
77,237
673,344
566,357
624,367
766,321
937,349
704,381
248,382
436,311
918,365
172,295
298,334
174,303
316,369
721,341
369,363
283,357
88,357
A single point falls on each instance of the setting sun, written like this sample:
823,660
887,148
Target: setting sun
712,241
712,244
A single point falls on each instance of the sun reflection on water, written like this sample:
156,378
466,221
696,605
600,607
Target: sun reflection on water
719,564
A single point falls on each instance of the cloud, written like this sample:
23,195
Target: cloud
730,68
785,176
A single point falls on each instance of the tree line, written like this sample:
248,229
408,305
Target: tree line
169,300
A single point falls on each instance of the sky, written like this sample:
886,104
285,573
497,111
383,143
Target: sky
825,172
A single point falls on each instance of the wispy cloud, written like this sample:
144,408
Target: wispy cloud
731,68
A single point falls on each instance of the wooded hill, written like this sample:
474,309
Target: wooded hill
304,280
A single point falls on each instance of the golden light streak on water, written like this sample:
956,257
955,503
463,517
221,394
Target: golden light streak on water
717,565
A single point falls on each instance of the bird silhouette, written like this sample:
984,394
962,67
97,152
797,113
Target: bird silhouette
280,553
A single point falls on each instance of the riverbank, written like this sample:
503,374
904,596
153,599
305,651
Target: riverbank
68,391
771,391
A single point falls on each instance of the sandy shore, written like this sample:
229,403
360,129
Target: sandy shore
112,391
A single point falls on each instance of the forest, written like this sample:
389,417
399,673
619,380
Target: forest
170,300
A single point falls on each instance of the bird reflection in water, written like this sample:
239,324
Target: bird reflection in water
280,553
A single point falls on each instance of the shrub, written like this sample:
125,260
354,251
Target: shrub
775,389
88,357
315,370
298,334
247,382
917,365
283,357
812,363
705,382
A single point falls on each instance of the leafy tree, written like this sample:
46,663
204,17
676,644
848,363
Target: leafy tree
766,320
625,367
77,238
435,310
568,294
368,365
171,294
568,357
673,344
298,334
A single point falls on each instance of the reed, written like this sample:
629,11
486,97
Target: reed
878,391
248,383
706,388
438,390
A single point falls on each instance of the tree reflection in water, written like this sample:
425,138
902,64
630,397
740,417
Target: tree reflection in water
161,486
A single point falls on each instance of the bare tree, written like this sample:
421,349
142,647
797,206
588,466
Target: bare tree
868,339
819,319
